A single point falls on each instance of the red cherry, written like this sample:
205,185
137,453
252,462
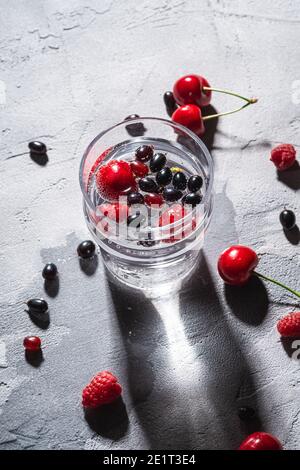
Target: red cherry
152,199
260,441
114,211
189,90
236,264
283,156
189,116
115,179
139,168
32,343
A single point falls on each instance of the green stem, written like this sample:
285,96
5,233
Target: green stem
232,93
212,116
262,276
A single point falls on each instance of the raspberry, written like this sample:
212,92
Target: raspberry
283,156
289,326
102,390
114,211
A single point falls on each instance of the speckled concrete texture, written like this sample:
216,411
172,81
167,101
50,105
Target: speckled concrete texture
67,71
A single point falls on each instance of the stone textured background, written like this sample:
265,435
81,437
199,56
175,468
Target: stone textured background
68,70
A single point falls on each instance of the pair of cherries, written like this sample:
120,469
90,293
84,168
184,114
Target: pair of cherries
193,92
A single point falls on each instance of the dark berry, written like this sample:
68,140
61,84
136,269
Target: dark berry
287,219
147,243
170,101
157,162
37,147
49,272
32,343
179,180
135,129
192,199
148,185
195,183
139,168
144,153
245,413
37,305
154,199
164,176
135,220
172,194
135,198
86,249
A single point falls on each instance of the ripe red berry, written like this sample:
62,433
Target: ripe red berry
236,264
115,179
102,390
139,168
153,199
260,441
283,156
189,116
189,90
289,326
32,343
175,213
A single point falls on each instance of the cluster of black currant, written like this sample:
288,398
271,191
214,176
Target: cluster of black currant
168,182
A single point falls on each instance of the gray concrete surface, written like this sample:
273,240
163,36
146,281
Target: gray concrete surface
67,71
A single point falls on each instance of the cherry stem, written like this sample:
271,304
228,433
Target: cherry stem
262,276
212,116
228,92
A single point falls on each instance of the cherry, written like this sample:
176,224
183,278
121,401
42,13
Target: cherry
190,116
139,168
153,199
190,89
115,179
237,263
32,343
260,441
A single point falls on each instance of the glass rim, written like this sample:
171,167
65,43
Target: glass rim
168,122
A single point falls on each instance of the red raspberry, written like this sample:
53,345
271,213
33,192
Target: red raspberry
102,390
114,211
289,325
174,214
283,156
115,179
260,441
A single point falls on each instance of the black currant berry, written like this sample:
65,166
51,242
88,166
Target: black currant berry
170,102
157,162
135,220
86,249
49,272
287,219
37,306
37,147
172,194
135,129
135,198
164,176
195,183
179,180
192,199
144,153
245,413
148,185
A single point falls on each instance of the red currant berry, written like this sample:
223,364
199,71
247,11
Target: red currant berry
139,168
32,343
189,90
153,200
190,116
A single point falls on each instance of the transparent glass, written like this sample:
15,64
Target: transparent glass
152,257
